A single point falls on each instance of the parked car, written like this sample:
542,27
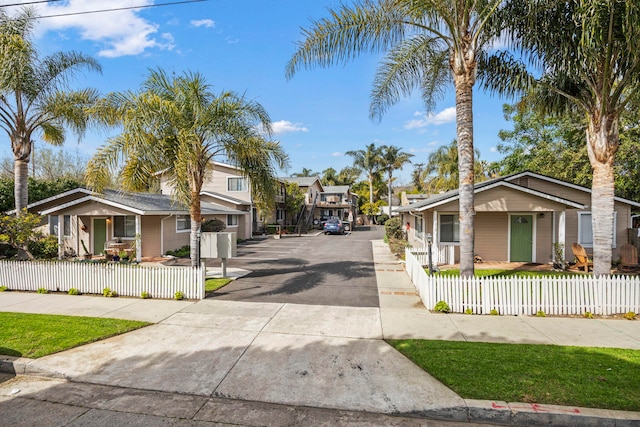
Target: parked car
333,226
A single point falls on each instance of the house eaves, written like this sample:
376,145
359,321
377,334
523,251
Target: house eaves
54,198
99,200
225,198
567,184
453,195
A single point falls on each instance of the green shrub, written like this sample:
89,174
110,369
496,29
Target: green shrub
397,247
145,295
213,225
3,288
541,314
587,315
42,291
382,219
442,307
73,291
107,292
494,312
393,229
46,247
183,252
468,311
179,295
630,315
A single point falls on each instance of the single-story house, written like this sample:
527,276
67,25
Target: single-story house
518,218
152,224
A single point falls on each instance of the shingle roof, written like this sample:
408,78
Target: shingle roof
336,189
303,181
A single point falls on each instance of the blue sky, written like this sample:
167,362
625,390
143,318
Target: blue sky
243,46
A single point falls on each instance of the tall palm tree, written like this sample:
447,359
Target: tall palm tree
369,161
34,95
589,57
430,43
177,125
392,160
442,168
304,173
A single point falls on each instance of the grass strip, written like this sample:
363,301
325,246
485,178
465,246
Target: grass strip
212,284
590,377
37,335
506,273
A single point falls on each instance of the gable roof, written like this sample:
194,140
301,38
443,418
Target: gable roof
336,189
79,192
449,196
303,181
225,197
142,204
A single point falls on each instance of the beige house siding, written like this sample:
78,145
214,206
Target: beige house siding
492,236
150,236
172,238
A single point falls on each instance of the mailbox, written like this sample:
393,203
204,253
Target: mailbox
218,245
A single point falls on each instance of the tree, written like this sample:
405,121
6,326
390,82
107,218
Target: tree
429,44
392,160
34,95
304,173
17,231
369,161
178,126
348,175
442,169
329,177
588,57
294,199
417,178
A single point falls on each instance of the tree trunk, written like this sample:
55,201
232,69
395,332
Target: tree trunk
390,179
602,144
196,223
21,186
464,129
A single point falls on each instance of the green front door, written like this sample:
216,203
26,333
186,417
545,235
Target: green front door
99,235
521,238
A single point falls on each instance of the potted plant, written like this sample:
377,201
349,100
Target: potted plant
124,256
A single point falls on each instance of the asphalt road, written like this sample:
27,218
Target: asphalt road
319,269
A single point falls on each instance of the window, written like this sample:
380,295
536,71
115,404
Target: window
183,223
449,228
232,220
585,229
236,184
418,227
53,225
124,226
280,215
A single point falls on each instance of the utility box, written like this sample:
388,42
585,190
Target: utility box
218,245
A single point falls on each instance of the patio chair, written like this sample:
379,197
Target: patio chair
581,257
628,257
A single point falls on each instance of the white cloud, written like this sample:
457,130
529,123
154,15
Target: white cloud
448,115
119,32
337,154
285,126
207,23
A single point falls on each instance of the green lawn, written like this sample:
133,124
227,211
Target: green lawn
37,335
506,273
211,285
573,376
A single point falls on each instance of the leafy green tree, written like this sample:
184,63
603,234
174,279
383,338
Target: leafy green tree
35,96
294,199
429,44
371,209
588,59
304,173
369,161
348,175
38,190
417,177
18,230
329,177
442,169
178,126
392,160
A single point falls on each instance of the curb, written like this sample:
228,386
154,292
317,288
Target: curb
473,411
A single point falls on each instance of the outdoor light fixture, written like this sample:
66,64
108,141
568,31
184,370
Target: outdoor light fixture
108,220
429,242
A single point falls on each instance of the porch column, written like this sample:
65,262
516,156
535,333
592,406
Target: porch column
60,234
561,233
138,238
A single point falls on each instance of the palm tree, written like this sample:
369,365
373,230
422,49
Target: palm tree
369,161
442,168
179,126
590,61
304,173
393,159
34,95
430,43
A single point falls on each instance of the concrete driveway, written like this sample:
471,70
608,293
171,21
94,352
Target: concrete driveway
317,269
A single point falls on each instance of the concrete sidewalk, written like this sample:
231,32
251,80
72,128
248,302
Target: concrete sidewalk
294,355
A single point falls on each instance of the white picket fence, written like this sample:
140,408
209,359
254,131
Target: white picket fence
90,278
568,295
